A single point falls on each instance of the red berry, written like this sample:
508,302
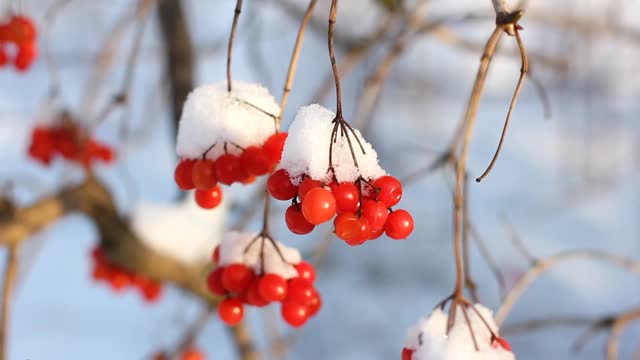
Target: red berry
300,291
151,291
27,53
375,212
203,174
216,255
407,354
375,233
347,227
347,197
280,186
500,342
22,30
4,59
274,145
306,271
255,161
209,199
319,206
231,311
296,222
399,225
192,355
184,174
315,304
273,287
294,314
237,277
214,282
307,185
253,294
390,190
228,169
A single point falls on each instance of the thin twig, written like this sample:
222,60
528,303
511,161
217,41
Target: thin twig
232,35
613,343
11,270
332,55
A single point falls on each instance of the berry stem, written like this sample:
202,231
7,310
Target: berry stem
294,61
234,26
332,55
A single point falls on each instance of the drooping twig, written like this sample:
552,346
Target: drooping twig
243,341
10,273
232,35
332,55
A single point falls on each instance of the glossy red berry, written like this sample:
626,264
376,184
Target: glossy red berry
306,271
237,277
273,287
300,291
231,311
184,174
228,169
203,174
209,199
375,212
347,227
407,354
255,161
390,190
274,145
27,54
296,222
399,225
347,197
214,282
280,186
294,314
253,294
315,304
307,185
319,206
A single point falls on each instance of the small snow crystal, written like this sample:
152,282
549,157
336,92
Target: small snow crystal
182,230
429,340
307,149
232,250
211,115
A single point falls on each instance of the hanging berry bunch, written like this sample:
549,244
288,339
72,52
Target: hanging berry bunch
345,180
472,336
257,270
120,279
226,137
67,139
18,45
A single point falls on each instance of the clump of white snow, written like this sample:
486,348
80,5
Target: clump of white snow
430,341
306,150
182,231
211,115
232,250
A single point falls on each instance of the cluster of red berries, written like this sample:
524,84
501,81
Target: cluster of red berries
363,207
190,354
18,42
69,141
120,279
204,174
407,354
241,285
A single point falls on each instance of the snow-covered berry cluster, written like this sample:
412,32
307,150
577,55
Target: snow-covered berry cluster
69,141
325,173
120,279
189,354
226,137
429,340
257,270
18,45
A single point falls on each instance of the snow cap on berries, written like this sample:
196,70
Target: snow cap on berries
182,231
232,250
307,149
211,115
431,342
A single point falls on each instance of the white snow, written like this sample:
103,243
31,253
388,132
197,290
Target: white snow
182,230
232,250
430,341
306,150
211,115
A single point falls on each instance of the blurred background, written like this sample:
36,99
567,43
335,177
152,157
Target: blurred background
565,181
